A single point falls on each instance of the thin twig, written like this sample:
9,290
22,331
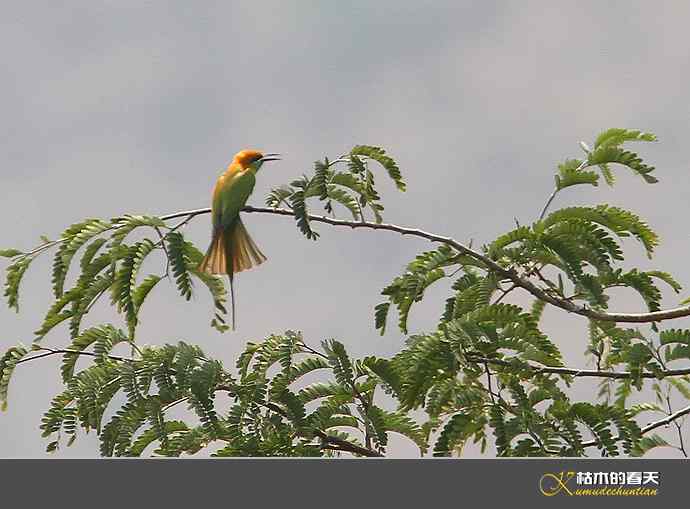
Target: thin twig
65,351
548,204
504,293
312,350
488,380
582,166
165,250
652,426
174,403
583,372
681,445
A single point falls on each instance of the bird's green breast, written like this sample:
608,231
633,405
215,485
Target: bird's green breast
232,194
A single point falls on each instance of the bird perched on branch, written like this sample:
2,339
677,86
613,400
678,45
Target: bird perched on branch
232,250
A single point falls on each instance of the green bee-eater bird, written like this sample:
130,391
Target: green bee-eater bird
232,250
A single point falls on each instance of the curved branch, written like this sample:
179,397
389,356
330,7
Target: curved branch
656,316
508,273
653,425
548,204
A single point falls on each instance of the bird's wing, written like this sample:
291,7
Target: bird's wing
230,196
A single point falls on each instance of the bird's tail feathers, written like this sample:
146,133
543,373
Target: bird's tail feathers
215,260
244,252
231,251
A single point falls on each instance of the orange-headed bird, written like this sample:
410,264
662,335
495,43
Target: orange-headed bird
232,250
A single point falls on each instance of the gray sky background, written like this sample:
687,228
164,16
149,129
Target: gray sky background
115,107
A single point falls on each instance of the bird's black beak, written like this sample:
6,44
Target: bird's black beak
270,157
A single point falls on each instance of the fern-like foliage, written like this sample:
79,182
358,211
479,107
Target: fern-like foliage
607,150
110,266
8,363
486,373
347,181
480,370
271,414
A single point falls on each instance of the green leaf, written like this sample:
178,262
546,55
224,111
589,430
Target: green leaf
296,371
90,291
124,287
570,173
348,181
127,224
89,229
380,316
344,198
294,407
116,436
682,385
151,435
666,278
607,154
670,336
456,431
216,286
299,208
15,273
520,234
617,136
318,390
106,335
401,423
385,371
677,342
142,291
537,311
10,253
621,222
7,364
65,252
278,197
179,264
379,155
90,252
405,290
648,443
56,314
339,361
321,174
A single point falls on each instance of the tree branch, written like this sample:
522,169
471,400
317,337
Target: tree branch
508,273
583,372
47,352
548,204
342,445
652,426
521,282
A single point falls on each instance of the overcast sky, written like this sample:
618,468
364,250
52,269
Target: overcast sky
114,107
